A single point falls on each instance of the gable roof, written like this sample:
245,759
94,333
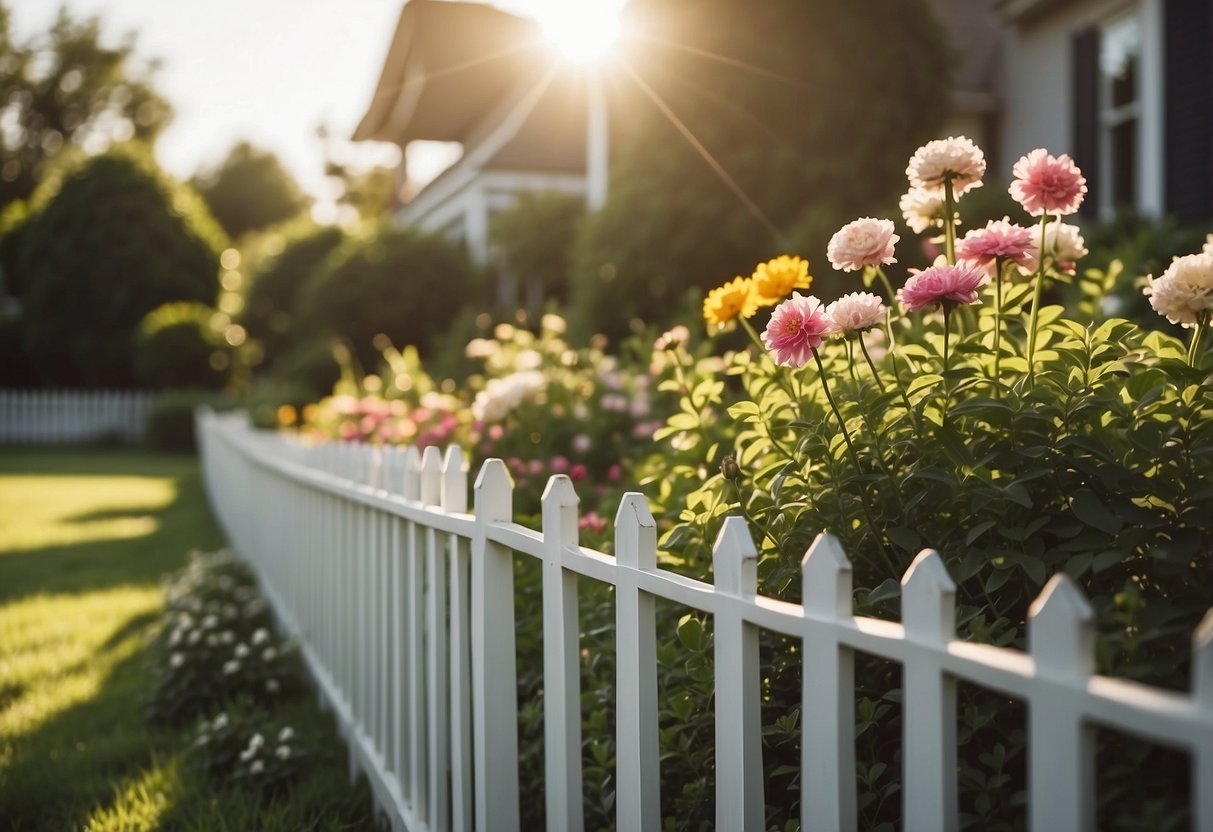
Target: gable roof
447,64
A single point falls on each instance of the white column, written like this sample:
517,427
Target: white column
597,143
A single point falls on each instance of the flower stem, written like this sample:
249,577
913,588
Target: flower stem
947,385
846,437
1040,280
949,228
871,364
997,326
905,397
888,287
1202,321
851,362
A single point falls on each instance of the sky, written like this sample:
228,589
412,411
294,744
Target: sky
269,71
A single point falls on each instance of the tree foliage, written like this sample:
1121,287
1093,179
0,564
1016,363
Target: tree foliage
111,241
64,90
249,190
179,346
533,240
400,283
798,102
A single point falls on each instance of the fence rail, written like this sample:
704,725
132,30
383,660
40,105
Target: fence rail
403,603
51,417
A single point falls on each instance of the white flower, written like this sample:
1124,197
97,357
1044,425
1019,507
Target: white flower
528,360
482,348
856,312
241,650
269,654
1063,243
955,158
582,443
227,637
194,637
271,685
553,323
256,767
502,395
260,635
220,722
247,754
922,209
231,667
1185,290
175,638
176,660
209,622
282,752
256,741
1208,249
864,242
286,734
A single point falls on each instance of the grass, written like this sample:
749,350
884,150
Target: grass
84,539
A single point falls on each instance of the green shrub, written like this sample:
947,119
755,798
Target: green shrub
533,241
109,243
170,424
400,283
179,346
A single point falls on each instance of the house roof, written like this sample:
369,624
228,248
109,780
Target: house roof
448,63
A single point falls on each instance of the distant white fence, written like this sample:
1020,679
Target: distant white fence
60,417
403,603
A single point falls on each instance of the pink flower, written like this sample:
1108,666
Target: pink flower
955,158
940,284
864,242
797,327
614,473
855,312
999,239
559,464
1047,184
592,522
578,472
535,467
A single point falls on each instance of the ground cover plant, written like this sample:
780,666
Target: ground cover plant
85,537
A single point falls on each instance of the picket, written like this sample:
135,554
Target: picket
65,417
403,605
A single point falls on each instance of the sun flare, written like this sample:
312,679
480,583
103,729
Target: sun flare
582,31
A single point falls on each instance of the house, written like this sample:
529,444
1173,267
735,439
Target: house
476,75
1124,86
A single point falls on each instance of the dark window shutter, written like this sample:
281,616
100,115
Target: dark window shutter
1188,105
1084,50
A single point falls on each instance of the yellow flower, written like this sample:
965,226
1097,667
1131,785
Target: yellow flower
726,302
775,278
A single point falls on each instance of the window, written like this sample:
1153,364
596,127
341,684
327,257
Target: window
1119,95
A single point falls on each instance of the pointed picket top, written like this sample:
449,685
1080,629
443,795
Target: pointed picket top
411,487
826,578
560,503
431,476
454,481
494,492
1202,662
928,599
635,533
735,560
1061,631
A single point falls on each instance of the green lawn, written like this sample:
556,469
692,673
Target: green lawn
84,539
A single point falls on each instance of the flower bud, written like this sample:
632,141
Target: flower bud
729,469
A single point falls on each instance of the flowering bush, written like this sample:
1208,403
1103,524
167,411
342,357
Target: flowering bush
1018,439
218,645
248,746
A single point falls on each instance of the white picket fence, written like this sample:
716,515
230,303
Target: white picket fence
403,603
64,417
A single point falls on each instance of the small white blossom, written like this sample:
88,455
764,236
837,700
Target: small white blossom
269,654
220,722
256,767
271,685
260,636
241,650
282,752
231,667
286,734
176,660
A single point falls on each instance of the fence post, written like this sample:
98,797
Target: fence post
1202,695
928,611
1061,746
561,654
436,667
827,709
455,501
739,788
414,585
494,682
637,770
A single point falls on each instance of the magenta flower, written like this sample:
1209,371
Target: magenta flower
1000,239
940,284
797,327
1047,184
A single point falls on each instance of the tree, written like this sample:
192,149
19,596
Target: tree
400,283
103,246
811,108
249,190
63,90
533,240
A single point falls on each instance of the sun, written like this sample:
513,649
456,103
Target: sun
582,30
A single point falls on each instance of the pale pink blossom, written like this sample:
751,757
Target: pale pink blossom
855,312
1047,184
1185,290
922,209
797,327
999,240
1063,244
864,242
940,284
955,158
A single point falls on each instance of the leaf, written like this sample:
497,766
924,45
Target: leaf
741,410
906,538
1088,508
887,590
924,382
1034,568
997,579
690,632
